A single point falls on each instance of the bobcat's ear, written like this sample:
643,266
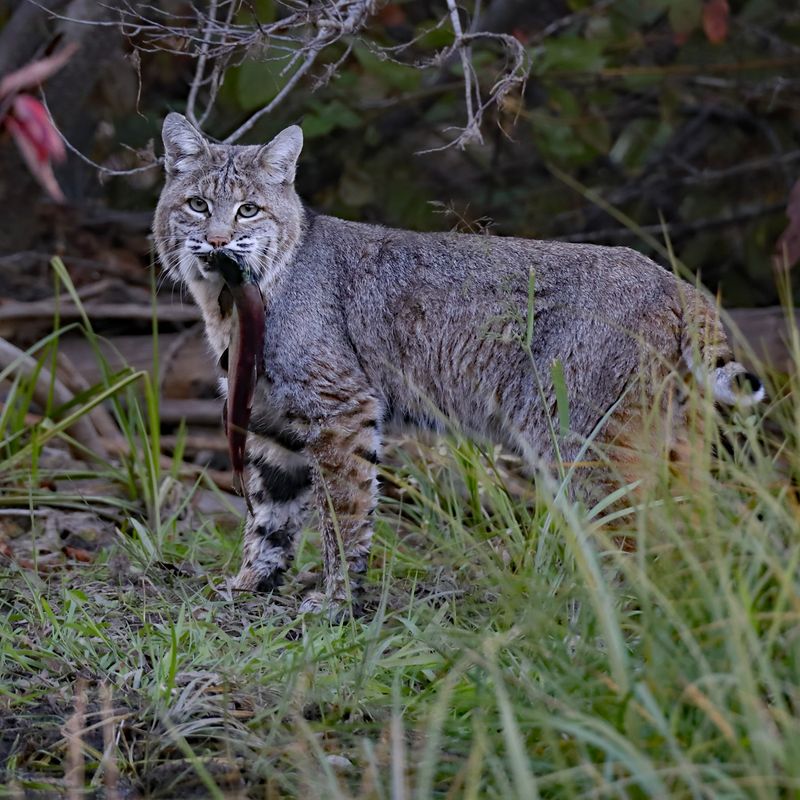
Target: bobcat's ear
182,143
279,157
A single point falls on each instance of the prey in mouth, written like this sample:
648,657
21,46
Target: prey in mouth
245,355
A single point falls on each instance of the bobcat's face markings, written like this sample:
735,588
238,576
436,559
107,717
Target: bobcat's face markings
222,225
237,197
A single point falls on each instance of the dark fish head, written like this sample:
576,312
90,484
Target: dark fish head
231,266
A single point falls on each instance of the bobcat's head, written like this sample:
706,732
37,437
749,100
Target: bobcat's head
240,198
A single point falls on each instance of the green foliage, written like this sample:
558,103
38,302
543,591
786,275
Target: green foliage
324,118
585,669
684,15
569,54
391,74
257,82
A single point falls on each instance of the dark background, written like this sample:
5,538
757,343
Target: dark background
632,99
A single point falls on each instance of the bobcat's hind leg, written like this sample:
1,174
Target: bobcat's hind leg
279,485
346,453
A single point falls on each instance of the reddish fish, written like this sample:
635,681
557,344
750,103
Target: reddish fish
246,355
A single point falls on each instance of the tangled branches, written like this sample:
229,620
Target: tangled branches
512,77
228,32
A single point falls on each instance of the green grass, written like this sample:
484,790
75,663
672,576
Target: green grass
512,649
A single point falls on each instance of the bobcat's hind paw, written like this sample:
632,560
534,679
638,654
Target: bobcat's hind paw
314,603
333,609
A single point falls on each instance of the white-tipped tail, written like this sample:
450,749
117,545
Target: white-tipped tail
731,384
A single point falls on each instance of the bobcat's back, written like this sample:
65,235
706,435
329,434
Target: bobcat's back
439,322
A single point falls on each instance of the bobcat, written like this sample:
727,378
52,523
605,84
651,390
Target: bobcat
366,324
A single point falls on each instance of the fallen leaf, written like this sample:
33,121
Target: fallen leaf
79,554
715,20
43,563
392,15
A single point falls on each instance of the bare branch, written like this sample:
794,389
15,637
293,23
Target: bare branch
217,73
512,76
217,41
290,84
200,68
330,28
86,159
472,130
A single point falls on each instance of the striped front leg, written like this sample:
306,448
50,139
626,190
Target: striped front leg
279,484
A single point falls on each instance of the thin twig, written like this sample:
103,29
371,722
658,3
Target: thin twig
200,69
217,74
471,131
86,159
514,75
303,33
290,84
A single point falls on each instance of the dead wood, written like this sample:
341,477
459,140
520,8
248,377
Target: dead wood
195,412
45,310
767,332
196,442
100,417
185,366
46,386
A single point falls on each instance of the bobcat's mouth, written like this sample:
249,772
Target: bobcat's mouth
229,264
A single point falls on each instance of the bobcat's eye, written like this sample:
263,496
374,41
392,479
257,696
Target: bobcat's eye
198,204
247,210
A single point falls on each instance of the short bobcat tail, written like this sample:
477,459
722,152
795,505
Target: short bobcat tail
708,356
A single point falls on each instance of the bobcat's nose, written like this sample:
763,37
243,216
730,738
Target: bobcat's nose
217,241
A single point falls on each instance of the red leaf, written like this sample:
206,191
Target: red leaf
392,15
715,20
522,35
29,118
787,248
79,554
37,140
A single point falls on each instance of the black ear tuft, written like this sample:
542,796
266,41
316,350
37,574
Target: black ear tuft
747,381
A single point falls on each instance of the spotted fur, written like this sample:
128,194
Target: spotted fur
367,324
